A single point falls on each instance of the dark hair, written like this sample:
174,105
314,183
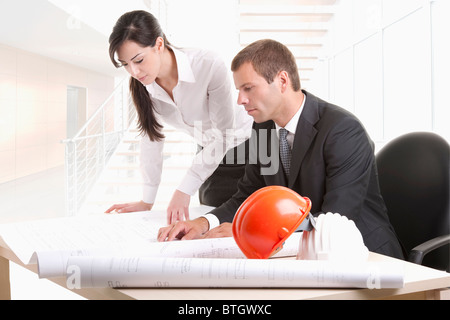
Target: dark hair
268,58
144,29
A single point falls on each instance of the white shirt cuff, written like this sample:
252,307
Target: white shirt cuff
190,184
149,194
213,220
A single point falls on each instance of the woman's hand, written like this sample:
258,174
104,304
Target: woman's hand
130,207
184,230
178,208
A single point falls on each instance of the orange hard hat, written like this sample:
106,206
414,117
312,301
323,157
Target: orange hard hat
266,219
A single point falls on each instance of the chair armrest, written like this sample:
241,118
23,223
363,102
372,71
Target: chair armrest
417,253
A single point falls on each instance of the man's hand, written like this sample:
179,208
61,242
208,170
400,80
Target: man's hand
222,231
184,230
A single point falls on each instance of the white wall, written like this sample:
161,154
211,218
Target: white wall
389,65
33,94
207,24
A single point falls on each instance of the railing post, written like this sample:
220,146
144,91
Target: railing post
71,177
94,161
103,140
123,106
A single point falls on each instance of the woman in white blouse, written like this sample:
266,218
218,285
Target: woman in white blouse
189,90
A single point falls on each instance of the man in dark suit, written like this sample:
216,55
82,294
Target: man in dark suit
332,157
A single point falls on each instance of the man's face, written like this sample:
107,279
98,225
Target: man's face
260,99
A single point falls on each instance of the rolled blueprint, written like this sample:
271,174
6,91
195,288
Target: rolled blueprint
152,272
54,263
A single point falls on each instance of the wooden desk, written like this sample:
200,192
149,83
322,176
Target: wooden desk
420,283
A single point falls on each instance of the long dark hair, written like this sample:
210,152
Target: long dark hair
144,29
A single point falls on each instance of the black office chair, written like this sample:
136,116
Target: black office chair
413,172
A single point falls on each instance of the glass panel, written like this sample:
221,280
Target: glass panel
441,67
407,76
343,79
369,85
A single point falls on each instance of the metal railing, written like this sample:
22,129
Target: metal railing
88,152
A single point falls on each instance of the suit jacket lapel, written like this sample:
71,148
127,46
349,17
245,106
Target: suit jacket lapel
304,135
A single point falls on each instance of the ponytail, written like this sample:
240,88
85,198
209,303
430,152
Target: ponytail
147,122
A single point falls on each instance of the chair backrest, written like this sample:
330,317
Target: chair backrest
413,172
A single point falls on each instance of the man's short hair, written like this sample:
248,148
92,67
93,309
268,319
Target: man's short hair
268,58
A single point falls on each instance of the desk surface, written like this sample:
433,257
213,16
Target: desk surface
421,281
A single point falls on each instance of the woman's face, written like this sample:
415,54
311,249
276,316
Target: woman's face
142,63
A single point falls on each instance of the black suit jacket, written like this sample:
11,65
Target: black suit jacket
333,164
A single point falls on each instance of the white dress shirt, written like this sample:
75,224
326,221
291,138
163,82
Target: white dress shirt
291,126
204,107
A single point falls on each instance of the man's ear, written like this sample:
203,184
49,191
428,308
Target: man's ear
283,78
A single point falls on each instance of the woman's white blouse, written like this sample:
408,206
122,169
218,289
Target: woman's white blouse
204,107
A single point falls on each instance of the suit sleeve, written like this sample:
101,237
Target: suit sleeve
349,157
249,183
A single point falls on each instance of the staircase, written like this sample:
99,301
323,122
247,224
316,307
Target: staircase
89,151
102,159
121,181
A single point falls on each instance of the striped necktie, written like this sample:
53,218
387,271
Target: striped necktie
285,151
